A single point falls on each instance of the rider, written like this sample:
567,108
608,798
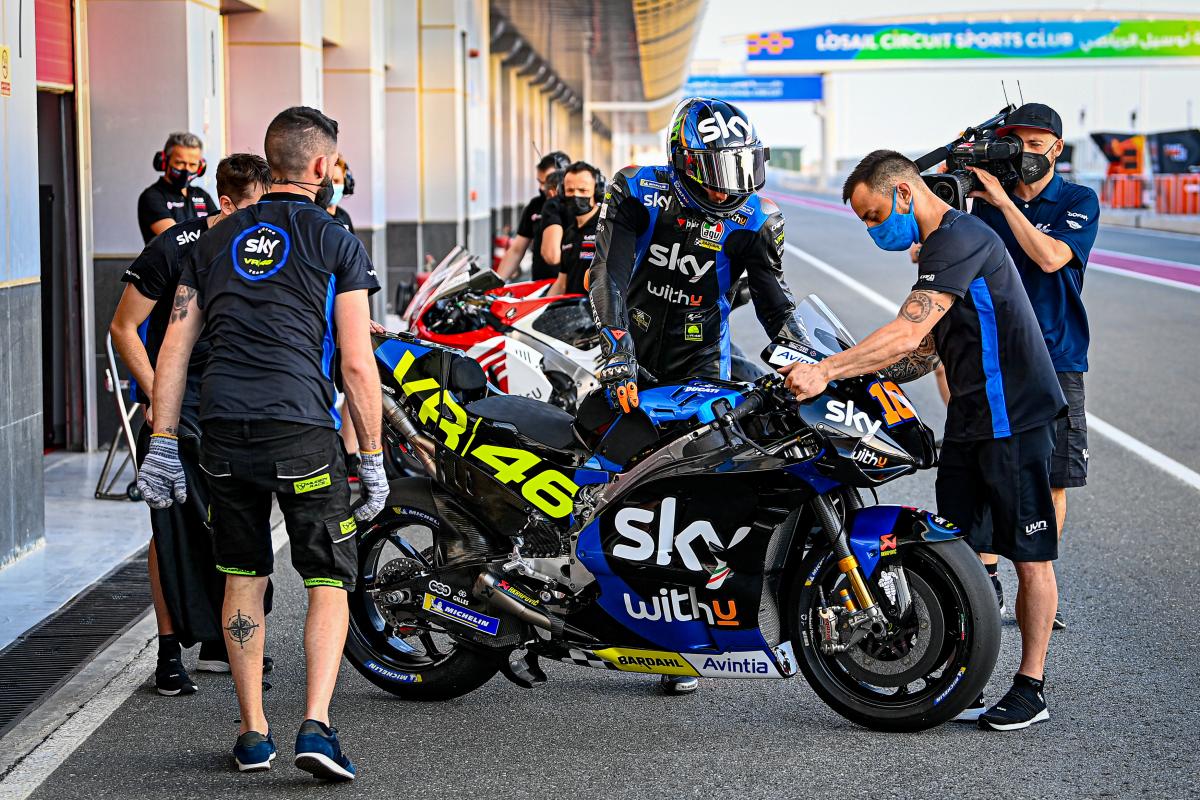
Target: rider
671,242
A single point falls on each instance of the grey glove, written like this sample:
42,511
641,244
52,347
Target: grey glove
160,478
373,480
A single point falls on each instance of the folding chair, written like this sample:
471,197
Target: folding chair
109,477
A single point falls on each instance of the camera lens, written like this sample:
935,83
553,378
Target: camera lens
944,191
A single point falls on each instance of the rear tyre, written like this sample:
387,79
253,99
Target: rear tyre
936,662
412,661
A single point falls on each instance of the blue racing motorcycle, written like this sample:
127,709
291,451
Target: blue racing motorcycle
717,532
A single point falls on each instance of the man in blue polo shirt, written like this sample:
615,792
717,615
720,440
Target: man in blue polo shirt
1048,227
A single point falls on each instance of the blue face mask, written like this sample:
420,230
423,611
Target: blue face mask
898,231
338,190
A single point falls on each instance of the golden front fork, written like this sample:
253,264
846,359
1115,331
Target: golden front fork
849,568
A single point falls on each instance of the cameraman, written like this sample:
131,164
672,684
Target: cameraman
1048,227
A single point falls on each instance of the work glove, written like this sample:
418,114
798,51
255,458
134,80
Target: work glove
619,369
160,478
373,479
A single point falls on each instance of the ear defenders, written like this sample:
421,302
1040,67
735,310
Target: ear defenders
160,164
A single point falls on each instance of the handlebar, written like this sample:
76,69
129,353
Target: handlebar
747,407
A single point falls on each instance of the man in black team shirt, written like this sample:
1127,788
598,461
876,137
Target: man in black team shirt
968,307
172,198
578,248
529,231
277,288
152,280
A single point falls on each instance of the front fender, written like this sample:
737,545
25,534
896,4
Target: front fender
878,532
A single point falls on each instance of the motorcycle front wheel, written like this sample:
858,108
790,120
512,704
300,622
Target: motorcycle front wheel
930,666
398,652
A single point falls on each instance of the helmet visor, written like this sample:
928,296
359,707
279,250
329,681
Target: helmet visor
738,170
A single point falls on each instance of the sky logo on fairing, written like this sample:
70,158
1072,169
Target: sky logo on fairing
643,545
693,270
837,411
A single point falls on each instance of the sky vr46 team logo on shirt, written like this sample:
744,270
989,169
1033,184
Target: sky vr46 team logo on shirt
260,251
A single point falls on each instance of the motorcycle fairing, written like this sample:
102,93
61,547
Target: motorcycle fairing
877,533
694,400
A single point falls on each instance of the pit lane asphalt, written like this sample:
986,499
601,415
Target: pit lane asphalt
1121,679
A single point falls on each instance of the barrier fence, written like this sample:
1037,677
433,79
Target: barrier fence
1166,194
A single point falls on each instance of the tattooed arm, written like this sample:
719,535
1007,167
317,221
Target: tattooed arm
170,374
919,362
902,339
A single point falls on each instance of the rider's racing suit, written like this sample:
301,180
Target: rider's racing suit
663,273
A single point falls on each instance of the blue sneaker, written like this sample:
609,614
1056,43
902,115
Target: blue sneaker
318,752
253,751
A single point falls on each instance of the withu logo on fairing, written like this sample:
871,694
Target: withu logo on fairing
674,605
837,411
716,127
645,546
661,256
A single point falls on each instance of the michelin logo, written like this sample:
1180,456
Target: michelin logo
391,674
463,616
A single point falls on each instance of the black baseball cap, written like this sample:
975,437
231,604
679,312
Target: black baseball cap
1033,115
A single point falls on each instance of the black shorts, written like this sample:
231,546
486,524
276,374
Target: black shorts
302,465
1069,466
998,490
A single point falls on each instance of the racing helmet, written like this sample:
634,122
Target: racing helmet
713,145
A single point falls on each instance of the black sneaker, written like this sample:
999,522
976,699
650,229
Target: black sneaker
973,712
213,658
1022,706
999,593
1060,624
171,679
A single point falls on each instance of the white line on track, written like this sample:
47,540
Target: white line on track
1118,436
1141,276
79,723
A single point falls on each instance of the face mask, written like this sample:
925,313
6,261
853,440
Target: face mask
324,194
179,178
1034,166
898,231
339,190
579,205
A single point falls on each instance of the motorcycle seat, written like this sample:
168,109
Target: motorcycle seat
536,420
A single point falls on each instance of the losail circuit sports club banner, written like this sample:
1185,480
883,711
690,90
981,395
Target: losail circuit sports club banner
1164,38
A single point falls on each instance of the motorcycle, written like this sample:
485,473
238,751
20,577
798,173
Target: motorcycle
717,532
528,342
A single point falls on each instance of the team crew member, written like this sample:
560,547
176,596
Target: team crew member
343,186
555,223
172,198
528,229
578,248
148,297
1004,397
1048,227
279,286
671,241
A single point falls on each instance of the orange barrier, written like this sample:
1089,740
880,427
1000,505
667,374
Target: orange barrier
1124,191
1177,194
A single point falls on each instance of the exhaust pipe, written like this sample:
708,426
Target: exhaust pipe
422,445
487,588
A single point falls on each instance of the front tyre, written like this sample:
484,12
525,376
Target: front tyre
930,666
399,653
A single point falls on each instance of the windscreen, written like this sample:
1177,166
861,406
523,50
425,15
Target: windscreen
826,333
455,262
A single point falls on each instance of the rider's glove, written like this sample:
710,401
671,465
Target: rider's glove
619,369
373,480
160,478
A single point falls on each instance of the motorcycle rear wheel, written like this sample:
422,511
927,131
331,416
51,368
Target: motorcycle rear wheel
411,662
948,657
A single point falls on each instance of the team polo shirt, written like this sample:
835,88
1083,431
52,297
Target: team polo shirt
267,279
1069,213
160,200
155,274
1001,379
578,253
530,226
